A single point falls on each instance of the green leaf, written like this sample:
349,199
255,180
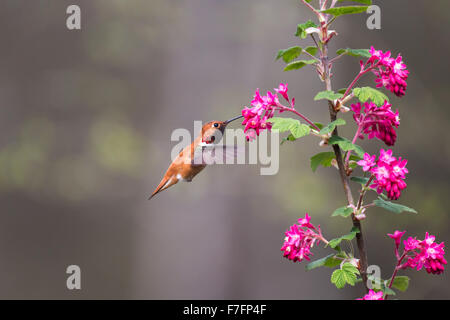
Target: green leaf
385,288
368,2
331,126
343,212
362,180
300,130
290,137
354,157
339,11
289,54
338,278
318,124
298,64
329,95
329,261
323,159
283,124
345,275
355,52
350,268
301,29
346,145
368,93
353,161
296,128
311,50
335,242
401,283
394,207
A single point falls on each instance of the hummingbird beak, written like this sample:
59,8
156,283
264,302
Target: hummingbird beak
232,119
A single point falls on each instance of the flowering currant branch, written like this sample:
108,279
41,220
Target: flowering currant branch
385,174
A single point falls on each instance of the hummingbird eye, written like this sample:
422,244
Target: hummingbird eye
216,124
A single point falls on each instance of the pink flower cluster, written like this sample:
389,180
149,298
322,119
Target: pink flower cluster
420,253
388,173
372,295
374,121
391,72
300,238
263,108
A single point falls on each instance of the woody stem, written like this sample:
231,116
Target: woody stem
342,171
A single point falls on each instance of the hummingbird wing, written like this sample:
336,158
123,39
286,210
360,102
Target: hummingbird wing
218,154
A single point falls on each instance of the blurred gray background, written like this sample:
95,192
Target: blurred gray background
86,118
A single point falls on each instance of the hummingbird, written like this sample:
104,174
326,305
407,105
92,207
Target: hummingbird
190,161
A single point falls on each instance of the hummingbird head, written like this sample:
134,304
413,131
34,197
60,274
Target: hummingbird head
212,132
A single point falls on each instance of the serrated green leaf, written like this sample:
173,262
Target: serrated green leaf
343,212
368,93
296,128
301,29
346,145
300,131
329,95
401,283
322,159
289,54
331,126
338,278
394,207
339,11
350,268
298,64
345,275
355,52
283,124
362,180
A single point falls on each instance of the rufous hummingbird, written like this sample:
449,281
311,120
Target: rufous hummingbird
187,164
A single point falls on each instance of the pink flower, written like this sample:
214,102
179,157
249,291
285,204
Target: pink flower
283,89
251,135
423,254
368,162
271,99
397,236
388,173
376,122
411,244
372,295
300,238
256,118
386,157
304,222
391,73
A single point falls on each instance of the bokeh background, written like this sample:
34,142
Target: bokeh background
86,118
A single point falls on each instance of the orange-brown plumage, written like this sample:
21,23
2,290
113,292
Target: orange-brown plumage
183,166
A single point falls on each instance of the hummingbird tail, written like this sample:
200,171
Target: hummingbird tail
163,185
